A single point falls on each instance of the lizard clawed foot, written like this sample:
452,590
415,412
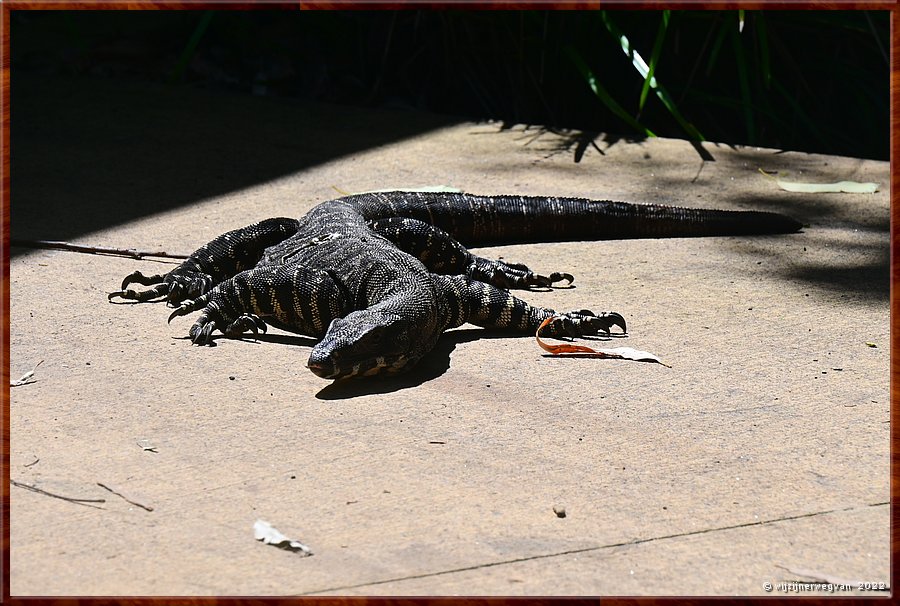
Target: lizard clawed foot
186,307
245,322
160,289
583,323
201,331
556,276
513,275
175,286
211,319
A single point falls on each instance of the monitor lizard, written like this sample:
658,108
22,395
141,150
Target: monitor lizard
377,277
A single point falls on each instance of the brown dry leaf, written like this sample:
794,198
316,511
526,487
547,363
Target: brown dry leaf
582,351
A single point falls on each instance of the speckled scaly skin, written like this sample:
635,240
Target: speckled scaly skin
379,276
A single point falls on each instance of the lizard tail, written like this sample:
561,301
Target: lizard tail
513,219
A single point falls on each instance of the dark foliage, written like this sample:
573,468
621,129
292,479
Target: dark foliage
813,81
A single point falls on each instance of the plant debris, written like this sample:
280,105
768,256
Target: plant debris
27,377
263,531
844,187
582,351
85,502
95,250
119,494
147,446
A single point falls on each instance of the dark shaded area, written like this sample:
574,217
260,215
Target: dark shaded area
434,364
116,116
89,153
865,273
805,81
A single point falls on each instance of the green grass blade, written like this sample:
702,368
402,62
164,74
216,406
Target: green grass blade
187,54
801,115
644,70
717,46
744,80
762,37
654,57
603,94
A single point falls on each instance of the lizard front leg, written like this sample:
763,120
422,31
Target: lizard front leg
466,300
299,299
212,263
443,254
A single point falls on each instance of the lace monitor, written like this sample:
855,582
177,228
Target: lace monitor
379,276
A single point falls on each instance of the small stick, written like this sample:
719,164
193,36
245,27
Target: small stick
95,250
119,494
85,502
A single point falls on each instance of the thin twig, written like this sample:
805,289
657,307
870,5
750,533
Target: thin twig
85,502
119,494
95,250
35,462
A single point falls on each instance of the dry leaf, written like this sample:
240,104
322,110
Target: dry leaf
26,378
263,531
846,187
582,351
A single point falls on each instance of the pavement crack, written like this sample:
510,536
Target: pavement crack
544,556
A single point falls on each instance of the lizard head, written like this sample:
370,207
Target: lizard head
365,343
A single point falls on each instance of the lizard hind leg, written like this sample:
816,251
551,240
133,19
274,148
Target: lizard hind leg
512,275
441,253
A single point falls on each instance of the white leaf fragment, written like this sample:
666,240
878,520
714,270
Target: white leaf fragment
263,531
844,187
26,378
629,353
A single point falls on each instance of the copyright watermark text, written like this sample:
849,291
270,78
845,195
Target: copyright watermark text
799,587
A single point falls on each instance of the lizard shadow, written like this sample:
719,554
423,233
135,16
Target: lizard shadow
432,365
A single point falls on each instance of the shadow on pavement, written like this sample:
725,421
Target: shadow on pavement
88,153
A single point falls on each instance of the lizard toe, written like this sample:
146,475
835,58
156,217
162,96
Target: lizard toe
244,323
201,331
140,295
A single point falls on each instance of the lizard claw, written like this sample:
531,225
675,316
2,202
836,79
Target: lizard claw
245,322
175,286
159,289
513,275
139,278
201,331
185,308
585,322
555,277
